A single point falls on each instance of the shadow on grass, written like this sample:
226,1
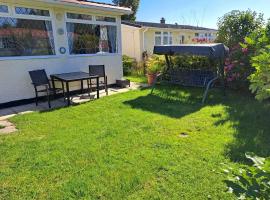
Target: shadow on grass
251,120
171,101
159,105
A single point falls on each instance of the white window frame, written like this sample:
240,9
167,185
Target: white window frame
92,22
163,34
12,14
24,16
2,14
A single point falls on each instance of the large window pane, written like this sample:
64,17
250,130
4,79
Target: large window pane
91,39
108,39
25,37
31,11
158,40
165,40
3,9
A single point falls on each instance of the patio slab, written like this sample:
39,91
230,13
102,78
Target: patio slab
58,103
8,127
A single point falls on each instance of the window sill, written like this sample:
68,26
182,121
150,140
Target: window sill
56,56
93,55
28,57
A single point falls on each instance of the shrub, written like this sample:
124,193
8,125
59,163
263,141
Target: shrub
260,79
193,62
250,182
155,64
139,69
128,64
238,68
259,46
233,28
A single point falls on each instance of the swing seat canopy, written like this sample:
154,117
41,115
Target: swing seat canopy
213,51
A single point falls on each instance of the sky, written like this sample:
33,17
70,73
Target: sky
195,12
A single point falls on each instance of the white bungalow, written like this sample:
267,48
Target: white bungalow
58,36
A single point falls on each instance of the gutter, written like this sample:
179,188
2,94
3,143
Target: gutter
120,10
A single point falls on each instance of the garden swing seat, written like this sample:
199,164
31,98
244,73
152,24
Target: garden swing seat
193,77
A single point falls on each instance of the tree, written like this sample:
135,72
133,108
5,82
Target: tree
234,26
133,4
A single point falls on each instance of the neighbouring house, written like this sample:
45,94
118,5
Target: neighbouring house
140,37
58,36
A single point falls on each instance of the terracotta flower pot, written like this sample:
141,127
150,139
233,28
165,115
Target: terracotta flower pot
151,78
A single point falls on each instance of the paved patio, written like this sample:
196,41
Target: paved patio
7,113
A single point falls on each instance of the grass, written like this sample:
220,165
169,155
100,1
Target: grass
130,146
137,79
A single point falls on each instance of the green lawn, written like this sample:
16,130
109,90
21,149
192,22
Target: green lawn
138,79
133,146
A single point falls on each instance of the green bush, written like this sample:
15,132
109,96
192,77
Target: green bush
250,182
155,64
233,28
259,45
128,65
260,79
193,62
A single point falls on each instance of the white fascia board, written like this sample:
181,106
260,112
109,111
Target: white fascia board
108,8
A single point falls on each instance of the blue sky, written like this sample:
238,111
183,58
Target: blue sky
195,12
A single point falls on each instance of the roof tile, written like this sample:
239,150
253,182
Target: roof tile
159,25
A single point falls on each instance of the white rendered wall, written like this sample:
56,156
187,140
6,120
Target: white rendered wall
15,83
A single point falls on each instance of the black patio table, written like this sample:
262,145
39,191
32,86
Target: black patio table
73,77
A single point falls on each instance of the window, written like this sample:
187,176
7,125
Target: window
167,38
3,9
21,36
91,38
196,34
158,40
31,11
25,37
79,16
105,19
163,38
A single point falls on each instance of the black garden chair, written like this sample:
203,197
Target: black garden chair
98,70
42,84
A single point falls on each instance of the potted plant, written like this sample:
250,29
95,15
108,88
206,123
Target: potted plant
154,66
